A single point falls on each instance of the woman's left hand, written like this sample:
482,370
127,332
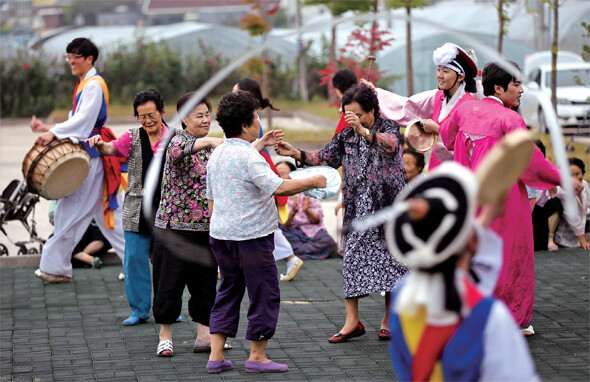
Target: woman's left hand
272,137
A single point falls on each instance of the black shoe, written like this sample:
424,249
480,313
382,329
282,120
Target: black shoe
358,331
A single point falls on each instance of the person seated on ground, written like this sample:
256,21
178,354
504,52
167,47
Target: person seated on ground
92,246
567,230
303,227
444,327
543,208
413,163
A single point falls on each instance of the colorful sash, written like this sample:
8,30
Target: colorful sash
423,352
111,165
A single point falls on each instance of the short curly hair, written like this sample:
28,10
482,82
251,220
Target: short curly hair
236,110
146,96
364,95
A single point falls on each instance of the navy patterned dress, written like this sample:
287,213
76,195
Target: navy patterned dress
373,176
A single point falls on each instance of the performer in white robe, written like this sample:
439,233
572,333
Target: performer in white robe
74,213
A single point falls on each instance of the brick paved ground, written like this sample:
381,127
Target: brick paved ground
72,332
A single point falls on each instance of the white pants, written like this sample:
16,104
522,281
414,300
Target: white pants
73,214
283,248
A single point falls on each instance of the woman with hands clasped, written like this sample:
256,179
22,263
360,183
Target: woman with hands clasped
373,175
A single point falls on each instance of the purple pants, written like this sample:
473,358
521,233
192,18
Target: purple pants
245,265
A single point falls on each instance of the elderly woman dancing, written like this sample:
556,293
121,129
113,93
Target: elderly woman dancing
241,188
138,145
181,245
373,175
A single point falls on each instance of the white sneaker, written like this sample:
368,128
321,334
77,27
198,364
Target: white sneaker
292,270
528,331
121,276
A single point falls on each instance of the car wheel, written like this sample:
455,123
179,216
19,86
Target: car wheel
542,122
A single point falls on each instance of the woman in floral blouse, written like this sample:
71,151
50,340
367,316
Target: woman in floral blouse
181,253
370,154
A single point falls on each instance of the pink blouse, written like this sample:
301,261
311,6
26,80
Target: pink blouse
301,220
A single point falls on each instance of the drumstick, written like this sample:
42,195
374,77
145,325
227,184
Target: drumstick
371,59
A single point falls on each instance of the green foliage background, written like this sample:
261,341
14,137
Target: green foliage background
34,84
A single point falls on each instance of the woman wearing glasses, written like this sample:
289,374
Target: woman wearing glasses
138,145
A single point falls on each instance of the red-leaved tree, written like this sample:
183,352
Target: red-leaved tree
361,44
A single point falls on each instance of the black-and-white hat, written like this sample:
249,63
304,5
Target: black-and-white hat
451,191
452,56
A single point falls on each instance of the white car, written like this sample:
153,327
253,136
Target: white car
573,94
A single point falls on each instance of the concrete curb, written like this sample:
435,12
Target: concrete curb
32,261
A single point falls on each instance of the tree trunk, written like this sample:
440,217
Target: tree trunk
333,45
500,24
541,37
554,55
303,93
374,26
409,71
265,81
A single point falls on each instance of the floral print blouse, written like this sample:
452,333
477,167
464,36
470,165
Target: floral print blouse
378,168
184,186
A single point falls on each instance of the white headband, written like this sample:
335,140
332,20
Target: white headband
445,56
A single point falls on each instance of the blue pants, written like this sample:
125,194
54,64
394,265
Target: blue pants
250,265
138,280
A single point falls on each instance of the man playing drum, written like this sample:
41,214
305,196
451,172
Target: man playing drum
74,212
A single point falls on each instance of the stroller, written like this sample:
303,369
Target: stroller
19,204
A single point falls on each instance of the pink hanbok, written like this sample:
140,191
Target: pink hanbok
429,104
471,131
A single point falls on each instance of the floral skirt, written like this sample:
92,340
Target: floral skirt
320,246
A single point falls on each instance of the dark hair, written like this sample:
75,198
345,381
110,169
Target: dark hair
184,99
469,75
291,165
419,157
578,162
146,96
493,74
250,85
84,47
344,79
541,146
235,110
364,95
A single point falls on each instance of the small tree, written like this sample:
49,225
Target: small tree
360,44
408,5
